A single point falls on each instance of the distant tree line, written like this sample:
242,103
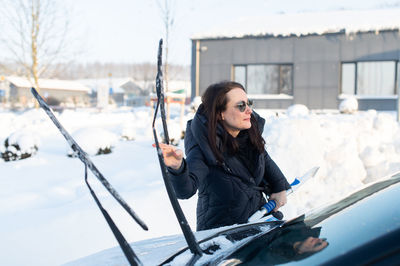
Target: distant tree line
73,71
38,33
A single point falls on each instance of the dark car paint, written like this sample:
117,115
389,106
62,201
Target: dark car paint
232,234
365,221
362,228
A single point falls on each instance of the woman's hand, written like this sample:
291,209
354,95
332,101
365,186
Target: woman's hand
172,156
311,244
279,198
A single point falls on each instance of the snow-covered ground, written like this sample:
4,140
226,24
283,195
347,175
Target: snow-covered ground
47,215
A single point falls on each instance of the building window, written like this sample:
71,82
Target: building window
348,78
376,78
265,79
240,74
398,79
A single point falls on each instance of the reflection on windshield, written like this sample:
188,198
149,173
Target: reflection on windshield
310,244
300,238
294,242
320,215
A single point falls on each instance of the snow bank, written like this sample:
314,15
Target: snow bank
351,151
26,140
196,103
297,110
175,132
349,105
20,145
128,132
65,224
94,141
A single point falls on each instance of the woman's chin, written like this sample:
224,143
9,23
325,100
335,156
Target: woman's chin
247,125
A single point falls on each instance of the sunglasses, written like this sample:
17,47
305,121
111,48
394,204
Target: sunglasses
242,105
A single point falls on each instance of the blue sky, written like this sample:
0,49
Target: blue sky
129,30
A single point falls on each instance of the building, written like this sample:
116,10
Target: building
136,93
57,92
118,91
130,92
315,59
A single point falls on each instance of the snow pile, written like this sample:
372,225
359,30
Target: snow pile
196,103
128,132
351,151
385,155
20,145
65,224
94,141
136,124
349,105
175,133
297,110
176,126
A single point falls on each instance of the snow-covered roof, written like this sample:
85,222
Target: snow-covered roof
116,83
51,84
349,21
106,82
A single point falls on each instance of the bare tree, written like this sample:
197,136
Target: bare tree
35,33
145,73
167,8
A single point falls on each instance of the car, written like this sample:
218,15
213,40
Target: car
360,229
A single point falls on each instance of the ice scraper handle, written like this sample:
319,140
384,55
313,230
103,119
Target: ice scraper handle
270,205
267,208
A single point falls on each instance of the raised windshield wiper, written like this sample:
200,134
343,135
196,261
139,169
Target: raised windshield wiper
187,232
82,155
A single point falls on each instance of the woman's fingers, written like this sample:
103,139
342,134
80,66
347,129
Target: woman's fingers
178,153
279,198
172,155
171,150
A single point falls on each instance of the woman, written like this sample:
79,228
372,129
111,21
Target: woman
225,160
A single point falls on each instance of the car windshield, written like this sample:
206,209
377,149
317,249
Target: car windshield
323,235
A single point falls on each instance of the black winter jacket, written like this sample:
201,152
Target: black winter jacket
227,193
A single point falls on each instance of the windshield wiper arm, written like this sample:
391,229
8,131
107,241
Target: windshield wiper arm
187,232
84,157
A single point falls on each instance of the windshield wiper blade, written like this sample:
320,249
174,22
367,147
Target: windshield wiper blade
187,232
83,156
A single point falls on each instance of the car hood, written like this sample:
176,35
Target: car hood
344,227
173,249
347,224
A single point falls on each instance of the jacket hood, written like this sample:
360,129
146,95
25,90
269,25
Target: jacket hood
196,134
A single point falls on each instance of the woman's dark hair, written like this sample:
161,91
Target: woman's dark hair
214,102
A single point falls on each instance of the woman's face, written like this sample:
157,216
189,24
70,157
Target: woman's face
232,118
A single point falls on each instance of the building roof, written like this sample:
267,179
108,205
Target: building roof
115,83
348,21
50,84
118,84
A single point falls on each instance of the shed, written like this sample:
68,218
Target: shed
66,92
